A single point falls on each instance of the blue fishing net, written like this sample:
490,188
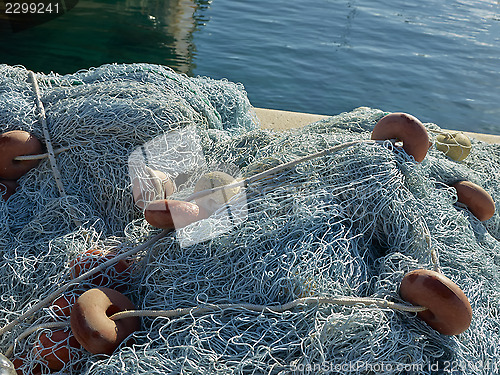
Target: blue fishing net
347,224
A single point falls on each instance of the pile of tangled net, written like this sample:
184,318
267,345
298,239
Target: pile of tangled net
348,224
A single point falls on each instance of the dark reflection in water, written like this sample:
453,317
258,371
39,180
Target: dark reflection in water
97,32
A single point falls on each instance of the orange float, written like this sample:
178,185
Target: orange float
91,325
63,304
114,275
172,214
17,143
448,309
405,128
477,200
57,348
8,188
35,369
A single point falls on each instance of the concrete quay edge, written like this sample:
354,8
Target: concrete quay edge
284,120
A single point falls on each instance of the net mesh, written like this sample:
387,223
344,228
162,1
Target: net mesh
351,223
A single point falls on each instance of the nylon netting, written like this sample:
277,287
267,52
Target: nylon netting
351,223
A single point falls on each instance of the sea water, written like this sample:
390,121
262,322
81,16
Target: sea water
438,60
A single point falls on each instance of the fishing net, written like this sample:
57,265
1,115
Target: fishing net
347,224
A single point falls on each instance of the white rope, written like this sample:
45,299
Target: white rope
48,143
259,176
344,301
45,155
76,280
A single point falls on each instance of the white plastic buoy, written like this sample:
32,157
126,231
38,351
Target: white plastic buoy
6,366
213,201
456,146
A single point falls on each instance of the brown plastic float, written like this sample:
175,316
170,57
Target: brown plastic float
91,325
173,214
404,128
56,348
477,200
448,309
17,143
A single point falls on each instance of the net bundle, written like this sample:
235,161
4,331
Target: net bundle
347,224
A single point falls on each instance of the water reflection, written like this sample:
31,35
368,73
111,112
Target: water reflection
96,32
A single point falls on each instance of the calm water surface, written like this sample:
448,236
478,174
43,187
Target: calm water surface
439,60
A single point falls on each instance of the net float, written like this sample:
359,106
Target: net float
117,274
404,128
448,309
57,348
6,366
17,143
62,305
91,323
172,214
23,366
215,200
456,146
477,200
8,188
155,185
203,214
